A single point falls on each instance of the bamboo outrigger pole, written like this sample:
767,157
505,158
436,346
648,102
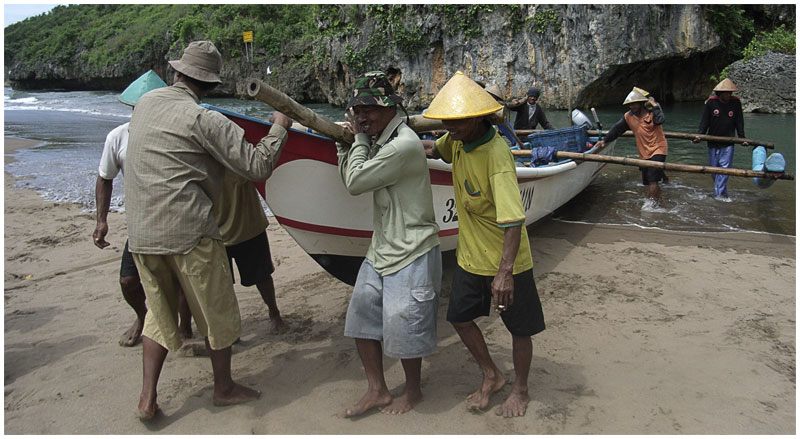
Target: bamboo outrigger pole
699,169
278,100
679,135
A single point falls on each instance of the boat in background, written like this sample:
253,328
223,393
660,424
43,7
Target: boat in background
306,195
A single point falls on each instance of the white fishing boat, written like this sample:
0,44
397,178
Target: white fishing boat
307,197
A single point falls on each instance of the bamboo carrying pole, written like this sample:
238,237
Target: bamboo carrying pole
679,135
680,167
721,139
283,103
278,100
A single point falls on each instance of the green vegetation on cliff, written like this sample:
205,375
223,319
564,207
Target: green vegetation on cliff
104,35
98,35
101,35
779,40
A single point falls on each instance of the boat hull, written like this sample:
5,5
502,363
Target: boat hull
307,197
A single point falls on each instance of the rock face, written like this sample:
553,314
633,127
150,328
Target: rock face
584,54
578,55
766,83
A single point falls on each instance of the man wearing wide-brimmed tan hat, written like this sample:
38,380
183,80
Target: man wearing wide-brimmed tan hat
645,119
396,293
177,154
722,116
495,268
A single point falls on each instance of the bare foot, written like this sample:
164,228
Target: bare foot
480,399
369,400
237,395
146,416
277,325
147,408
133,335
515,405
402,403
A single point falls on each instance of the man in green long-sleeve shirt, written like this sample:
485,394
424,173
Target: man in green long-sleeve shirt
396,294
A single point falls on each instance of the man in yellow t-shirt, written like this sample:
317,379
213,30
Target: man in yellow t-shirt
493,252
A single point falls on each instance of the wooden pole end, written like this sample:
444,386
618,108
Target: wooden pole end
253,87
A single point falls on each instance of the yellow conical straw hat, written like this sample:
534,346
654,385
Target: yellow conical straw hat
726,85
461,98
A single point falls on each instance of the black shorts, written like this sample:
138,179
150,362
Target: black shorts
653,174
253,260
127,268
471,297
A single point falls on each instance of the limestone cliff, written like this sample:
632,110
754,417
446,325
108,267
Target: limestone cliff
766,83
591,55
578,55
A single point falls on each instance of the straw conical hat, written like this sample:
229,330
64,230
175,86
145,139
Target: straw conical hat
634,96
494,90
148,81
644,93
461,98
726,85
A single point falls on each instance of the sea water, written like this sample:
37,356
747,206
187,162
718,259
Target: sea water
72,127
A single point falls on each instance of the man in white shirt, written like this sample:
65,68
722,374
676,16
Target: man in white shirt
111,163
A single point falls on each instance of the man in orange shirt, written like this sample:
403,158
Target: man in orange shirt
644,119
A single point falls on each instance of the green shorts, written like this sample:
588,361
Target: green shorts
204,276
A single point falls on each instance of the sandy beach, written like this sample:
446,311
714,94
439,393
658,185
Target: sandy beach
648,332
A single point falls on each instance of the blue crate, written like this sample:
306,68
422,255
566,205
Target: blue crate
571,139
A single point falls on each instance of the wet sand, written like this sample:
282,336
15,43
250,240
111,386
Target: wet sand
648,332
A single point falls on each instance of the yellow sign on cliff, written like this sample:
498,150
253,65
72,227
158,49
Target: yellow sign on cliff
247,36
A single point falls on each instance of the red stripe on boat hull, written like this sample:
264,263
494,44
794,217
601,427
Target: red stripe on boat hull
338,231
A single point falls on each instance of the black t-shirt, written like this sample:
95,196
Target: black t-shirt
722,119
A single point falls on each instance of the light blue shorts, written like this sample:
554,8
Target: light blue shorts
398,309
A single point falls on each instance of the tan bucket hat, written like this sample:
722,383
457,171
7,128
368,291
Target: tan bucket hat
726,85
461,98
201,61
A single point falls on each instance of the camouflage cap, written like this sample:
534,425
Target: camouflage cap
374,88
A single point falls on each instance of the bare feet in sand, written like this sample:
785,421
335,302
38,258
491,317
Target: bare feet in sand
402,403
277,325
480,399
369,400
133,335
147,408
515,405
236,395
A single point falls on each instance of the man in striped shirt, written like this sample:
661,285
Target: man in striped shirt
177,154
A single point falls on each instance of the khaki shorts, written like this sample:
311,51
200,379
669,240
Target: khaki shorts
204,276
